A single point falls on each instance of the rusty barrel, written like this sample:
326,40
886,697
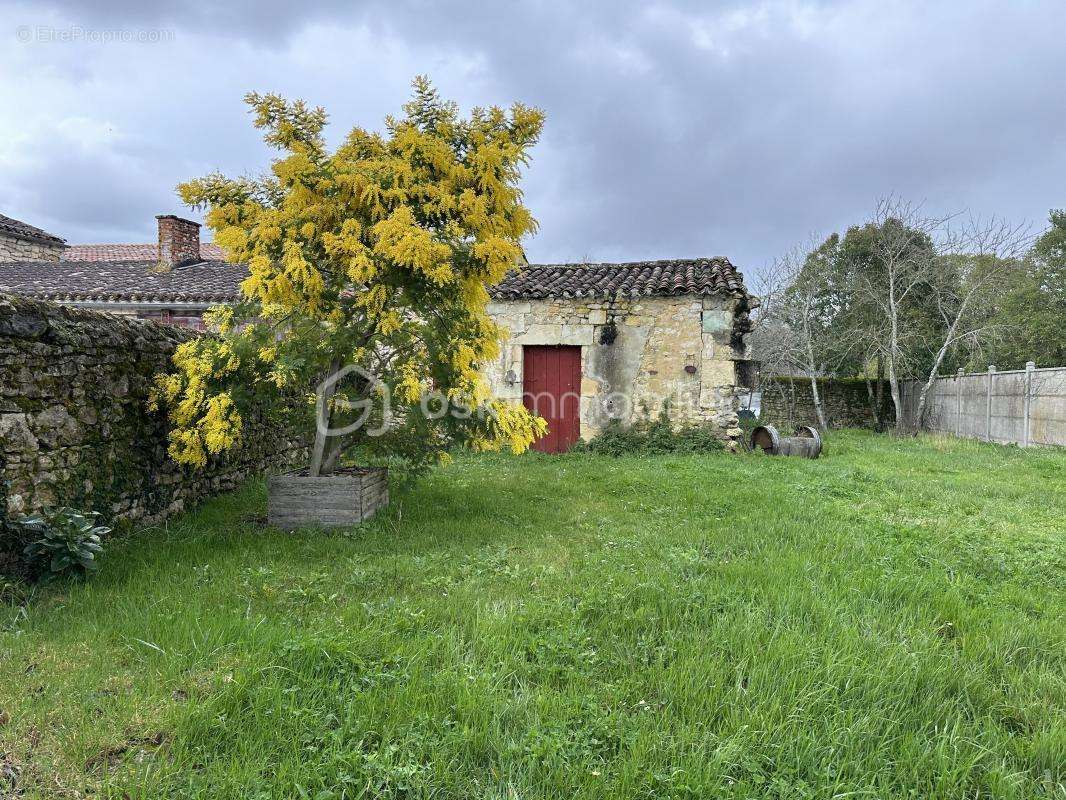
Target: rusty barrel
806,443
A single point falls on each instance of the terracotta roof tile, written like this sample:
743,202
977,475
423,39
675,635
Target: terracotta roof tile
216,281
703,277
129,252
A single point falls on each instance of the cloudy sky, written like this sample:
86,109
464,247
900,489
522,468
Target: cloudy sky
674,129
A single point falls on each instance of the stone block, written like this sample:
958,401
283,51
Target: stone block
541,333
717,321
56,427
15,434
576,334
501,308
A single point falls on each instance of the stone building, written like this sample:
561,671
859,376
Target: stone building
587,343
22,242
592,343
174,280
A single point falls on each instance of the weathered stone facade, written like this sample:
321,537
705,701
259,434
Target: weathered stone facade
15,248
636,354
74,427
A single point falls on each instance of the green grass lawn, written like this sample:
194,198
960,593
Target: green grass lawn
887,621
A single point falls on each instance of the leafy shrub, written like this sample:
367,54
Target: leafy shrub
748,422
652,437
64,543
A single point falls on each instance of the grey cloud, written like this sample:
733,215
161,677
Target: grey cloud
674,129
97,195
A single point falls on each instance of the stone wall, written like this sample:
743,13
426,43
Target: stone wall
74,429
14,248
787,402
663,348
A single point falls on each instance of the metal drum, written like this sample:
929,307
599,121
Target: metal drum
807,443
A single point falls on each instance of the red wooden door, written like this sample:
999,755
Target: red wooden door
551,388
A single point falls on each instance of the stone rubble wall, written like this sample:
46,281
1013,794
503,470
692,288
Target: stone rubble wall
675,349
788,402
74,427
13,248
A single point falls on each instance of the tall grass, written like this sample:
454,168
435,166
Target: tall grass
886,621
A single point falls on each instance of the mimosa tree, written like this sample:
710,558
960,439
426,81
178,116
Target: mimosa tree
369,270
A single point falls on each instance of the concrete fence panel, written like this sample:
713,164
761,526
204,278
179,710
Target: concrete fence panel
1047,417
1024,407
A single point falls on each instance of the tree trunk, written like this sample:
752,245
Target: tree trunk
893,354
880,392
949,339
875,393
923,394
919,412
897,401
335,451
817,397
318,452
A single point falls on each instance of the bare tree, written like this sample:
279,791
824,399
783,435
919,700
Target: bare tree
897,267
790,336
769,339
974,256
933,261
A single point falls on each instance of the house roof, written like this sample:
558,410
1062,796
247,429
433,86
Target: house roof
130,252
216,281
22,230
703,277
123,281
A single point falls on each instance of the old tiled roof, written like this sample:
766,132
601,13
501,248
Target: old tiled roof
123,281
129,252
216,281
14,227
703,277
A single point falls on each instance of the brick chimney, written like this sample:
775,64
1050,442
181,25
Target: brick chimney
179,241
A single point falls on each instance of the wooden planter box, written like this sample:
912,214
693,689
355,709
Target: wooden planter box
338,500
